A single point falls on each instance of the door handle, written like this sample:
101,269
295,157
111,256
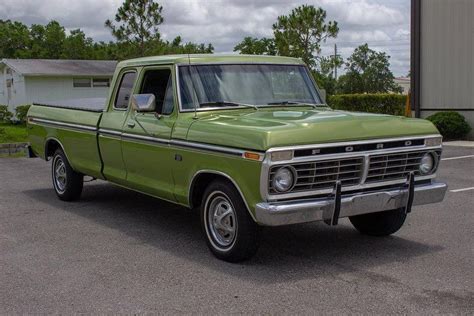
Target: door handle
131,124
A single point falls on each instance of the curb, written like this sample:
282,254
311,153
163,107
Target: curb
13,148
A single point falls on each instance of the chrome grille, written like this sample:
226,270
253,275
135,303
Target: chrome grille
386,167
320,175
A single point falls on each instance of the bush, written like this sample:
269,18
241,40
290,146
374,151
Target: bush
21,111
450,124
5,115
393,104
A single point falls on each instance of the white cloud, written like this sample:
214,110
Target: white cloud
225,22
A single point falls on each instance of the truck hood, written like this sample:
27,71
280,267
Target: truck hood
267,128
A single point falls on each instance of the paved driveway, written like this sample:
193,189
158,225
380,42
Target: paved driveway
120,251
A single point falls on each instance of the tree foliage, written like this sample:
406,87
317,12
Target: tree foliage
135,28
136,23
256,46
301,33
368,71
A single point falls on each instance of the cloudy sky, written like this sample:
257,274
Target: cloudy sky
383,24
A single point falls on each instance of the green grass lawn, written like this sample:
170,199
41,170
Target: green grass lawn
12,133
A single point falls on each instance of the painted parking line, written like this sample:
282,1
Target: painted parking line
461,190
460,157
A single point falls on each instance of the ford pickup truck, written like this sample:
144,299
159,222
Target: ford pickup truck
247,141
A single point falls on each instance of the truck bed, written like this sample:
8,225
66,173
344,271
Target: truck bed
72,124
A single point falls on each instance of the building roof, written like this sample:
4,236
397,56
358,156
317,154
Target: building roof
209,58
61,67
400,79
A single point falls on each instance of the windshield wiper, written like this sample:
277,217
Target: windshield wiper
285,103
226,103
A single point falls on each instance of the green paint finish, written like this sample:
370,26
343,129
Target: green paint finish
156,166
80,146
275,127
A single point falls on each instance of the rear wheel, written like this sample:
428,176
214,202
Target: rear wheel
380,223
67,183
231,233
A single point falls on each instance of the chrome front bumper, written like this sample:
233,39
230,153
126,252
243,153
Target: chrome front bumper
330,209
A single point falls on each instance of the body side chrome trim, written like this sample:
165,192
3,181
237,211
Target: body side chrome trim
206,147
154,140
177,143
191,185
110,132
88,128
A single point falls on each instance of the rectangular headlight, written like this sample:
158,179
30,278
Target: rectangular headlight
433,141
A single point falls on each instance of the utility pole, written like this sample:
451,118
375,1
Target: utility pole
335,61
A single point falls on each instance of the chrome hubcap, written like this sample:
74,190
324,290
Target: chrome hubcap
59,174
222,221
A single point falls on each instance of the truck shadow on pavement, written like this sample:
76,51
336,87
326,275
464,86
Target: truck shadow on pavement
286,253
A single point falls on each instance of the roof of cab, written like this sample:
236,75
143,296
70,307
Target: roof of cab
208,58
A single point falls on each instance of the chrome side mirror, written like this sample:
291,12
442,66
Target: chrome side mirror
144,102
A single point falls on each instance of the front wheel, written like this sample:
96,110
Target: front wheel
380,223
67,183
231,234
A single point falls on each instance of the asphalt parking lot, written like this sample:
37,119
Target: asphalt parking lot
120,251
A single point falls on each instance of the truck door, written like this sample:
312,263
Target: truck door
111,126
145,139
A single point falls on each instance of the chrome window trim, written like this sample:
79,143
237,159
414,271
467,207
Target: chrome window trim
268,164
177,65
117,88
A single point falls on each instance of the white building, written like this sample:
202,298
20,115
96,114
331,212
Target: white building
24,81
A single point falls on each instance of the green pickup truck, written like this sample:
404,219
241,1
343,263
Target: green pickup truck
246,140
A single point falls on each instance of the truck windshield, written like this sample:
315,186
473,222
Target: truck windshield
245,85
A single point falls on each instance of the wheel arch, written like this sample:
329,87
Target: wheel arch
51,145
202,178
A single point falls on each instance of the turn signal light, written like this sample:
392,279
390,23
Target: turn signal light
252,156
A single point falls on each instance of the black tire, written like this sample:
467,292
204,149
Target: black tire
380,223
67,183
245,240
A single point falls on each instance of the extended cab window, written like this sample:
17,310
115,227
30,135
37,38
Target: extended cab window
125,90
159,83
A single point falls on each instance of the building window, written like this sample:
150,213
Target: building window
81,82
101,82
